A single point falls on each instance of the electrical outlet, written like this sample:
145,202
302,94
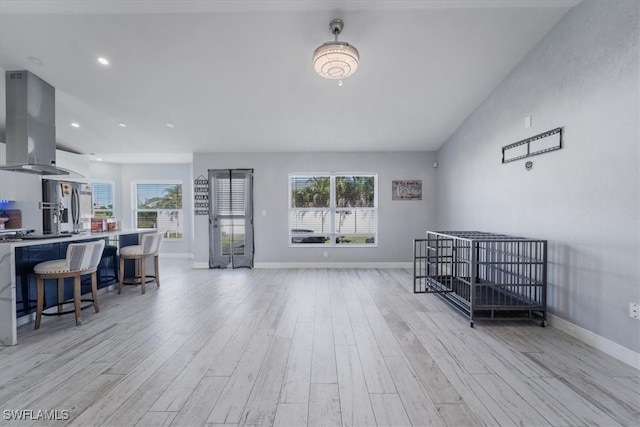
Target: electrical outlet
326,254
634,311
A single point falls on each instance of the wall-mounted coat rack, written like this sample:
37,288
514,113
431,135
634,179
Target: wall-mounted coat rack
538,144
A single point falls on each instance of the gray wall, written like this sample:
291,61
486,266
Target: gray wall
399,221
584,198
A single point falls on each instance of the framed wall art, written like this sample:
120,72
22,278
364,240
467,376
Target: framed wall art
406,190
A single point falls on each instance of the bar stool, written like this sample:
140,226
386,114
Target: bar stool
82,258
149,247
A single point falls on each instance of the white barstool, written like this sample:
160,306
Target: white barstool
149,247
82,258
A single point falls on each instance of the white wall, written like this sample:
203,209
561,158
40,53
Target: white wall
399,221
583,76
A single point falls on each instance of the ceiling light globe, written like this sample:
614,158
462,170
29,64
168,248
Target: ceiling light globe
336,60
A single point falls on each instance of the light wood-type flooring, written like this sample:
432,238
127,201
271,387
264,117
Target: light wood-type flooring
351,347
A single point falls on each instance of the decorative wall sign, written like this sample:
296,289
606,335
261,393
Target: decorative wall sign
538,144
201,196
406,190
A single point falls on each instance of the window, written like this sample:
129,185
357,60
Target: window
102,193
333,209
159,205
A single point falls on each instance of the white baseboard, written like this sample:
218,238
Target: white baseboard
288,265
611,348
333,265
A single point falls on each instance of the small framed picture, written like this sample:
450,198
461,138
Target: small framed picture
406,190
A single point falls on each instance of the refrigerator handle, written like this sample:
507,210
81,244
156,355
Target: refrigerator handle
75,209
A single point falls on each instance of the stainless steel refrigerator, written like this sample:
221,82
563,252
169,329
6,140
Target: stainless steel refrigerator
75,211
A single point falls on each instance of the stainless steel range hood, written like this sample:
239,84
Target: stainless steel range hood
30,125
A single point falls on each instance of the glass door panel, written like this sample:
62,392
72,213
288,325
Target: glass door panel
231,218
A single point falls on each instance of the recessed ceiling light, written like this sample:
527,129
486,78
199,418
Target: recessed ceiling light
75,125
98,159
122,125
35,60
103,61
170,125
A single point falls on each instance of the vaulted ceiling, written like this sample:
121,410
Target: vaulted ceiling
236,76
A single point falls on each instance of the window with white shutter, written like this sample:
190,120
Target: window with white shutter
333,209
103,199
159,205
230,203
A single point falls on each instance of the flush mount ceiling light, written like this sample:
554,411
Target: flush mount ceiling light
336,60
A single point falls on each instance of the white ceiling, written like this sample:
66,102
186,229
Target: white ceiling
236,76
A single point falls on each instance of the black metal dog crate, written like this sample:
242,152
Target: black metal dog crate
484,275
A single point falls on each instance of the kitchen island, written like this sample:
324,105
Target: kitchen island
11,266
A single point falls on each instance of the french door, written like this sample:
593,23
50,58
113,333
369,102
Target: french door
230,218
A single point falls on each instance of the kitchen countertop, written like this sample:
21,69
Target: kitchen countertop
14,243
8,320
